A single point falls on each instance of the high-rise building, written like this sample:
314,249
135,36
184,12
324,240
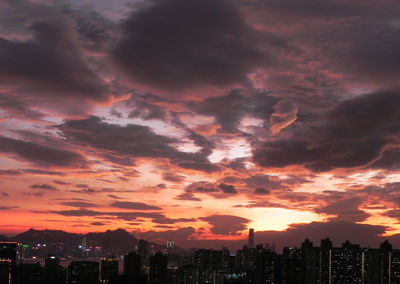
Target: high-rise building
132,264
142,248
259,264
53,272
347,264
109,268
325,262
372,267
292,265
30,273
83,272
8,257
170,244
385,263
311,260
158,268
251,238
395,266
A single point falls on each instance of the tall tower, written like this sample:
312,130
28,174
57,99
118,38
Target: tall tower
251,238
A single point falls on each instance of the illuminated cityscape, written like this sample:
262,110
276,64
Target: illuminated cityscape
306,264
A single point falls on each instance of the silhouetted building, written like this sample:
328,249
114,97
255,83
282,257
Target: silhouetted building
372,266
310,262
53,272
385,263
227,262
109,267
210,265
395,266
292,266
347,264
158,268
257,265
30,273
132,264
83,272
8,257
142,249
188,274
173,276
174,260
251,238
325,262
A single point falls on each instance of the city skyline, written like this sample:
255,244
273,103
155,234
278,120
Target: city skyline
308,264
194,121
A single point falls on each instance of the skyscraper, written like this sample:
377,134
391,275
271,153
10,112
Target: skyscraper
8,256
158,268
251,238
132,264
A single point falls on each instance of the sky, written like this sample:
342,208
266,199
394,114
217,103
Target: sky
196,120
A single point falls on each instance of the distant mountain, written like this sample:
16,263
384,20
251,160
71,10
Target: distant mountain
117,241
32,237
3,238
114,242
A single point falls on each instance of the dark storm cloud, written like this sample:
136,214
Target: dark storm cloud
125,161
261,204
43,187
93,29
145,106
42,172
227,188
98,224
119,215
79,204
17,107
229,109
134,205
346,210
267,181
262,191
202,187
50,62
178,44
7,207
133,141
226,224
179,234
173,177
40,154
113,196
390,160
172,221
9,173
329,30
395,213
60,182
354,133
189,196
200,166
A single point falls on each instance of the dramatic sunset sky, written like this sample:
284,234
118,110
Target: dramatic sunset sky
199,119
